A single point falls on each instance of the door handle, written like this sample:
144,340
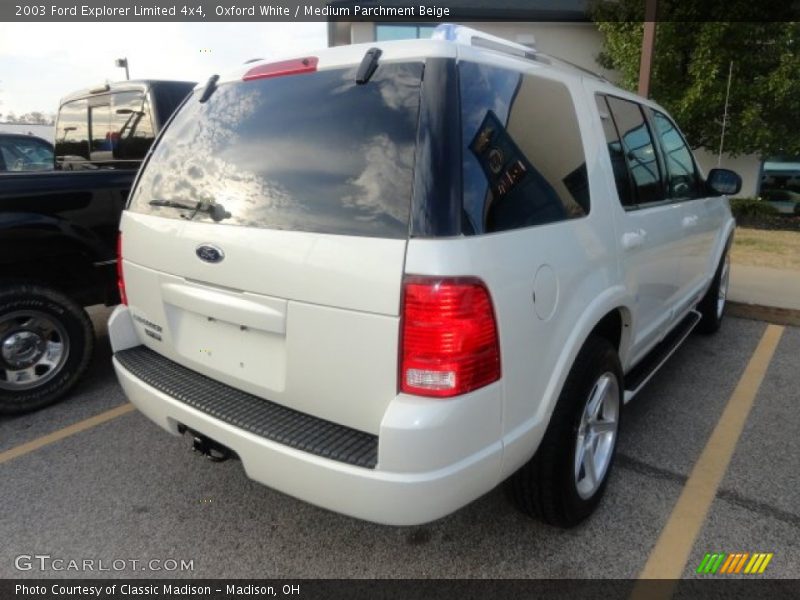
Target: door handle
633,239
689,221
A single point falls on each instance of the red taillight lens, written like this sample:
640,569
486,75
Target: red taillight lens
449,337
123,297
284,67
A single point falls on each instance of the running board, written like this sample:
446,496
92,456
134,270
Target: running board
639,375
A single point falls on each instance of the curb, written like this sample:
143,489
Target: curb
770,314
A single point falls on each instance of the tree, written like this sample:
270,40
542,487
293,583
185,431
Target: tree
691,64
33,118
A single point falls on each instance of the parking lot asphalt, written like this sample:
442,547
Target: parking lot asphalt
125,489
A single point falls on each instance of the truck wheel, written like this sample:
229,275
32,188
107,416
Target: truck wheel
564,481
712,306
46,341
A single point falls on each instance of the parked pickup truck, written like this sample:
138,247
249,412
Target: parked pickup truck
58,232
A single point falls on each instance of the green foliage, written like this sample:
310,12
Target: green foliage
751,207
691,63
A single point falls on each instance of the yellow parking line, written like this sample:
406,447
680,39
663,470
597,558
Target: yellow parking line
66,432
668,557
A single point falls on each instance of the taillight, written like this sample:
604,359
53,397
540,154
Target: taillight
449,337
123,297
294,66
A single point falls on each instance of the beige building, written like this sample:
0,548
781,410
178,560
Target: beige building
577,41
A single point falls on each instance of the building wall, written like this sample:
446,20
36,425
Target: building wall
362,32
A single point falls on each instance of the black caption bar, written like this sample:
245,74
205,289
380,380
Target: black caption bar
380,10
321,589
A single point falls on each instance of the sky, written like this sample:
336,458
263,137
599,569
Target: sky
42,62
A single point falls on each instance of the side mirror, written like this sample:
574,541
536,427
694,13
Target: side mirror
723,182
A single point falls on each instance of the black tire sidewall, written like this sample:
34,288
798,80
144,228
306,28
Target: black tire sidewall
710,320
81,342
597,357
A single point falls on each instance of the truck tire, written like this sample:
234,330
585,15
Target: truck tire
712,306
46,341
564,481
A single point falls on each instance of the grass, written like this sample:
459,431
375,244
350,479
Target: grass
762,248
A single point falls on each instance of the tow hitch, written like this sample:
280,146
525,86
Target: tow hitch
212,450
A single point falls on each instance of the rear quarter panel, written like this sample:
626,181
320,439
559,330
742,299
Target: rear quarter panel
537,350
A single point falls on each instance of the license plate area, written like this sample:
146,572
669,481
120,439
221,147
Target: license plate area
235,349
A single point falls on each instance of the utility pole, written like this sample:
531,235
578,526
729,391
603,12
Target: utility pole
648,47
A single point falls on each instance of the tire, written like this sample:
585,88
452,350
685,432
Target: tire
46,342
712,306
551,486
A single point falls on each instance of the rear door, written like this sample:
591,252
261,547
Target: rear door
265,240
649,225
701,214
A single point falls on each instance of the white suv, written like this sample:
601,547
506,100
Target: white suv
389,277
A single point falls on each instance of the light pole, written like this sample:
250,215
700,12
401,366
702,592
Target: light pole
123,62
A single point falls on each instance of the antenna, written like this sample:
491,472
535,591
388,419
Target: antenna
725,115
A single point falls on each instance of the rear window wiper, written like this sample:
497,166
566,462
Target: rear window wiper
216,211
368,65
172,204
211,87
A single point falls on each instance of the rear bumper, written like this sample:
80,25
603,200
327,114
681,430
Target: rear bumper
428,465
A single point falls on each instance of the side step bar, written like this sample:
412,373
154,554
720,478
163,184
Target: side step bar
638,376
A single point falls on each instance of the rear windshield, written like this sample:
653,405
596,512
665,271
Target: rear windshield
310,152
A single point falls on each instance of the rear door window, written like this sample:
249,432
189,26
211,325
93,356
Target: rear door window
640,152
616,153
523,159
308,152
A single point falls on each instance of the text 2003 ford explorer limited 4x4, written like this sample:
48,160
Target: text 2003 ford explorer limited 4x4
387,293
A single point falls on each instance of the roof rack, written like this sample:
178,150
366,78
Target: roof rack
472,37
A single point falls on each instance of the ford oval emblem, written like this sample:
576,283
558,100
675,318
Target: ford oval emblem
209,253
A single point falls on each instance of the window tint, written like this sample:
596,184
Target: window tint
72,134
523,161
639,151
682,178
618,164
132,126
313,152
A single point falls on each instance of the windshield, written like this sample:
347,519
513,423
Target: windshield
310,152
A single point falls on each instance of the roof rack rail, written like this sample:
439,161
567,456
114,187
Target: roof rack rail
585,70
472,37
